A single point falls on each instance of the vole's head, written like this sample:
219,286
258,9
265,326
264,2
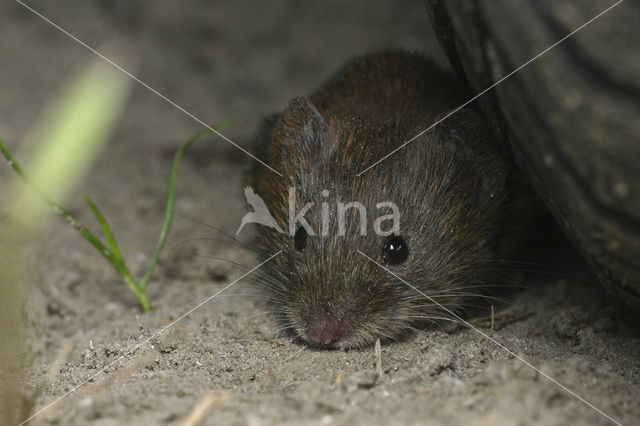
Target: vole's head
431,214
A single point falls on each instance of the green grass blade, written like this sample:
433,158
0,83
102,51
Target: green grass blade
106,252
68,217
168,215
106,230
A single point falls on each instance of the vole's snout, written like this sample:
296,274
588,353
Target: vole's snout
326,331
328,328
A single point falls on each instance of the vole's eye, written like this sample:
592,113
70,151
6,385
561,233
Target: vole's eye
300,239
394,250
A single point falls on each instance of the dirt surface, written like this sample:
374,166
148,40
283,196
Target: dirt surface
240,61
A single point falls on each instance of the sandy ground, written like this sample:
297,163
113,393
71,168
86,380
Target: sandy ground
239,61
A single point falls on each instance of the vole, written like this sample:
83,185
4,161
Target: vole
460,207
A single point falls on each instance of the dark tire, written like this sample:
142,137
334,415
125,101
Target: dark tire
571,118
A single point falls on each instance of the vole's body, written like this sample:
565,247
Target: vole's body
457,206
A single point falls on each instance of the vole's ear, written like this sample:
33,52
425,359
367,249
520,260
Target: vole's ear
300,128
468,134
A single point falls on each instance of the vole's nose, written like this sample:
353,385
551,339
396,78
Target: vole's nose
326,330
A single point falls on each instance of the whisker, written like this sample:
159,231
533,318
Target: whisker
260,274
262,313
190,240
231,237
428,316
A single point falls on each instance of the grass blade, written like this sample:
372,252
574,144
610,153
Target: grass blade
168,215
106,230
106,252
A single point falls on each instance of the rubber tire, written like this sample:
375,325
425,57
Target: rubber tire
571,117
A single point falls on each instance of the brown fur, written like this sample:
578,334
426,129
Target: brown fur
458,202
